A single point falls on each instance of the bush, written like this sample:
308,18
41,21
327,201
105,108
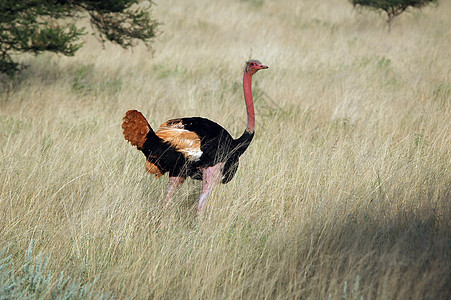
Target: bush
34,281
392,8
35,26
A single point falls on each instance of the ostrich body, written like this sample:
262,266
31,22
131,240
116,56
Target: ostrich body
193,147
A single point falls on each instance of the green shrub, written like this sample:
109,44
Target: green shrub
32,280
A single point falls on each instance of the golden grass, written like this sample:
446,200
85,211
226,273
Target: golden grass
345,191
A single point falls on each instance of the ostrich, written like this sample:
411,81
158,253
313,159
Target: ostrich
193,146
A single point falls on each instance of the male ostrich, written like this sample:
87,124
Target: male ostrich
194,146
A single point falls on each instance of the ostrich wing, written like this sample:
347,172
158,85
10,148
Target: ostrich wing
185,141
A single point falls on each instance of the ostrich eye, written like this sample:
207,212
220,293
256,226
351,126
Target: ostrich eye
252,64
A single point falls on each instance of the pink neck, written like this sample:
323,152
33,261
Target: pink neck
247,83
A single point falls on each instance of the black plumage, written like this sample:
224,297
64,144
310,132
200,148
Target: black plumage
216,144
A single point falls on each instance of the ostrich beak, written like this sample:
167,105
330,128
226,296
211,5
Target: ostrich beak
263,67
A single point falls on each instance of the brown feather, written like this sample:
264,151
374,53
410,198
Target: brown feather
135,128
185,141
153,169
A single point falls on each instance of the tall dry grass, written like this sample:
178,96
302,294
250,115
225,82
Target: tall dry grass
344,193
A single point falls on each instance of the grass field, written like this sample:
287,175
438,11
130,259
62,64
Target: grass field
345,192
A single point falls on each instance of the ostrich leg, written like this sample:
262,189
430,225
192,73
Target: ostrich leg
174,184
211,176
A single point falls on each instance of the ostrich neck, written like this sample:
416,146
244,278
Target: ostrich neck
245,139
247,83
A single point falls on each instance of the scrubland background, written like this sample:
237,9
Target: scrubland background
344,193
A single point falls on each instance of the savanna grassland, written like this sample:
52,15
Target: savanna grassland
345,191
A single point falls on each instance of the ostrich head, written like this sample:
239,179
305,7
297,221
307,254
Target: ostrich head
252,66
